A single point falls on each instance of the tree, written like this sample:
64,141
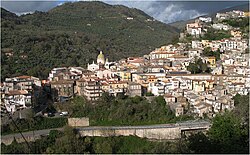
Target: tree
101,145
193,68
226,132
204,67
213,34
199,143
64,144
229,132
149,94
197,67
208,53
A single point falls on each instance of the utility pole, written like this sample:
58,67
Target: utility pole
10,116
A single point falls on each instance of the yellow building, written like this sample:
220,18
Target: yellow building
118,84
124,75
235,33
199,85
209,84
205,43
211,61
246,14
151,79
106,86
202,85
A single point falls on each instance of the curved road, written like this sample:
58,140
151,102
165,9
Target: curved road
184,125
30,133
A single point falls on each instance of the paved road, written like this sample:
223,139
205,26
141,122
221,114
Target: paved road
181,125
30,133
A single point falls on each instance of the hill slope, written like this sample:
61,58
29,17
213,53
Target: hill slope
181,25
73,34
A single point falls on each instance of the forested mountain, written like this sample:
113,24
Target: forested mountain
73,34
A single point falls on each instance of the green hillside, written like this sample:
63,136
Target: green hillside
73,34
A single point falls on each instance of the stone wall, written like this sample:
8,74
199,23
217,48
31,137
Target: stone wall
151,132
78,122
158,133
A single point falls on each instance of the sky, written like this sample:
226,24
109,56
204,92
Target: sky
165,11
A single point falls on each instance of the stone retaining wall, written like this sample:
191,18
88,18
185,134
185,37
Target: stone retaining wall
78,122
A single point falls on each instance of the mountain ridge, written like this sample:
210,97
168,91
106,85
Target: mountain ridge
73,34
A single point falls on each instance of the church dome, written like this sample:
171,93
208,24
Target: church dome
101,58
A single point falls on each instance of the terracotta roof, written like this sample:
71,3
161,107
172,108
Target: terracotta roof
17,92
23,77
136,61
159,59
178,56
105,84
162,52
152,77
239,83
210,80
198,80
117,82
190,75
81,80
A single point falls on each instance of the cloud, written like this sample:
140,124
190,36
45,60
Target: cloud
24,13
20,7
166,12
175,12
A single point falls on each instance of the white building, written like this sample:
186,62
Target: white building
194,53
21,83
104,73
194,29
222,16
220,26
55,71
16,100
197,44
93,67
205,19
157,88
64,73
100,63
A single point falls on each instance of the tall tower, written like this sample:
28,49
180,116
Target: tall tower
100,58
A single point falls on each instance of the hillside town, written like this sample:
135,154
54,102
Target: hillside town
166,71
